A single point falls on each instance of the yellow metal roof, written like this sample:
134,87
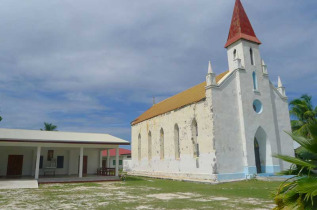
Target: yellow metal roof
189,96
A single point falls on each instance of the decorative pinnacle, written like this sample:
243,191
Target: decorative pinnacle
263,63
209,68
279,82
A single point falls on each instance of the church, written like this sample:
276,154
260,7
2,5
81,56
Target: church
225,128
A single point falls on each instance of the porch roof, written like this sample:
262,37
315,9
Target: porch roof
19,135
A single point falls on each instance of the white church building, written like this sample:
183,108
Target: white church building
227,127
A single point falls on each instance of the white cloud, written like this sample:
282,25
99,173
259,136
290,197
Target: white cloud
77,61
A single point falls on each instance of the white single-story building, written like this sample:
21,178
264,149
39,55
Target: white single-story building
46,153
109,157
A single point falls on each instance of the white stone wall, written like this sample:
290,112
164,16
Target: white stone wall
228,142
282,120
187,164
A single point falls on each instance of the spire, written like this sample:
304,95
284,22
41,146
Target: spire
210,71
241,27
264,68
279,82
210,77
280,87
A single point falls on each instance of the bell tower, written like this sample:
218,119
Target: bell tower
242,44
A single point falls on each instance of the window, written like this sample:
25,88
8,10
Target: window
234,54
139,147
255,82
41,161
194,138
114,162
176,141
149,146
257,106
162,144
251,56
60,162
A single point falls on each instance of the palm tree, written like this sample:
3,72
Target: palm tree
49,127
300,191
0,118
304,112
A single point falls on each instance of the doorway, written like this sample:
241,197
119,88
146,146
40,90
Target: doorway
257,156
15,163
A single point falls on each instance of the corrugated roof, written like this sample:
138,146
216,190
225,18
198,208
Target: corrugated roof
113,152
17,135
189,96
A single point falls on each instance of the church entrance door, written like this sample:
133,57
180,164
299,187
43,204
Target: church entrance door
257,156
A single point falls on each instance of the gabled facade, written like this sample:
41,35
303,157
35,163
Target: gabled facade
227,127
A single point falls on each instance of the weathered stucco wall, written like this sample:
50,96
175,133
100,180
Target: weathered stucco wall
228,141
282,121
187,163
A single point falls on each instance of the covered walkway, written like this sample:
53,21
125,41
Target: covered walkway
49,156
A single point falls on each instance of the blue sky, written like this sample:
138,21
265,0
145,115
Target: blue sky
93,66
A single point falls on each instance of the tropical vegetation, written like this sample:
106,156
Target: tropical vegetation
300,191
302,112
49,127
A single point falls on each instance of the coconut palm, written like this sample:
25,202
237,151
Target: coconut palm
49,127
300,191
304,112
0,118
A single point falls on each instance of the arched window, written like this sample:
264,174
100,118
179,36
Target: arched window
162,144
251,56
150,146
194,138
255,82
234,54
139,147
176,141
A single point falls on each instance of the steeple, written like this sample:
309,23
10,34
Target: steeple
241,27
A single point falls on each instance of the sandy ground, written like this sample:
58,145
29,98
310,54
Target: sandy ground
103,196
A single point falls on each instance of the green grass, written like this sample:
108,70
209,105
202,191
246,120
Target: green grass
143,193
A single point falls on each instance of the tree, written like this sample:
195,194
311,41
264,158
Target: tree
304,112
300,191
49,127
0,118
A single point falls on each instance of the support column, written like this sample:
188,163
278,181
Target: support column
69,162
108,158
81,160
37,165
117,161
100,159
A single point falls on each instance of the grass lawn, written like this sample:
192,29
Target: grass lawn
142,193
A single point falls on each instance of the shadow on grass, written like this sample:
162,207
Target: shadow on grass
133,179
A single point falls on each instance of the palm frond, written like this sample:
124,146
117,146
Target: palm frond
296,161
308,144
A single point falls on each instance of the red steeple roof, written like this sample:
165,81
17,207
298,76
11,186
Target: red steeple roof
241,27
